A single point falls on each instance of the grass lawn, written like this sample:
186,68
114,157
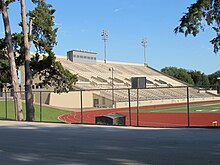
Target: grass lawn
48,114
198,108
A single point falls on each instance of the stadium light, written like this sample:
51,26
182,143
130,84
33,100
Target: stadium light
105,37
144,44
113,100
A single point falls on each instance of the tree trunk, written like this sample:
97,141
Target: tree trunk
28,74
14,76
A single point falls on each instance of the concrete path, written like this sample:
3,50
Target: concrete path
23,143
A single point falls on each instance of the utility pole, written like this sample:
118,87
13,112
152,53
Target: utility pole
105,37
144,44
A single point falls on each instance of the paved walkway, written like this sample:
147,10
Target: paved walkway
24,143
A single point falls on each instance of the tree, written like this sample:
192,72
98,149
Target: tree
43,36
50,71
213,78
191,77
28,75
178,73
198,16
10,52
199,78
4,65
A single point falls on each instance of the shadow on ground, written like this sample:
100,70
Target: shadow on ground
65,144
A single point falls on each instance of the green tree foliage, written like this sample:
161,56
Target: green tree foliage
43,33
4,65
178,73
196,78
199,15
43,37
52,73
199,78
213,78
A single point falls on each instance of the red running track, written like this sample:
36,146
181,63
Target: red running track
154,119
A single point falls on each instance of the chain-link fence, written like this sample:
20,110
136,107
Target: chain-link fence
184,106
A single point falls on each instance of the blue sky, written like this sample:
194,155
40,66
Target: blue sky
81,23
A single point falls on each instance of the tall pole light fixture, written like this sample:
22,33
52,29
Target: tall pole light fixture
144,44
113,100
105,37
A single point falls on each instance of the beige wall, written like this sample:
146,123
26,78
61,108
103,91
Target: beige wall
45,96
71,100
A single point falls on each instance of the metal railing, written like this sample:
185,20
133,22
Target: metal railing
183,106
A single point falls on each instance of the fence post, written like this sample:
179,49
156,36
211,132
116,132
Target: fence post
40,106
188,108
6,105
137,107
129,104
81,102
15,105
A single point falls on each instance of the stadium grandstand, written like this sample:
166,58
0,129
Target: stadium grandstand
100,81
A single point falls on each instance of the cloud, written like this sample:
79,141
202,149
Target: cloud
117,10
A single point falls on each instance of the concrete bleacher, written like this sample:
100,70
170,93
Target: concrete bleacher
98,76
122,72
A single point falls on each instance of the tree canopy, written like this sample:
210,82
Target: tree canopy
199,15
193,77
4,65
43,37
199,78
178,73
214,78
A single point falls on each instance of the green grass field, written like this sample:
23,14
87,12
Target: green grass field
198,108
48,114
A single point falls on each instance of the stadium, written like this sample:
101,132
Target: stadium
101,80
106,87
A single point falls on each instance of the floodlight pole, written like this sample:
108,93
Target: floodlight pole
144,44
113,99
105,37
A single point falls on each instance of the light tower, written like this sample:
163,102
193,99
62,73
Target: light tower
105,37
144,44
